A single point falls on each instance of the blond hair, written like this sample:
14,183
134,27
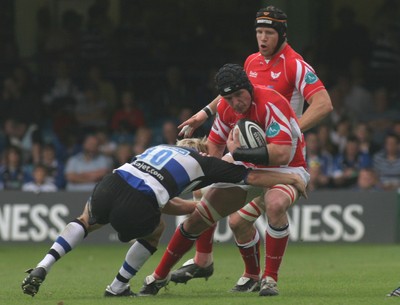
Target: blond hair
200,144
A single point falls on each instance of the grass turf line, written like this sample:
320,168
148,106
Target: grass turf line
310,274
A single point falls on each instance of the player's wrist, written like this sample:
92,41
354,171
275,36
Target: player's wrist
257,155
209,112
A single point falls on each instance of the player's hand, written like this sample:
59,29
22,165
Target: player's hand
190,125
300,185
233,140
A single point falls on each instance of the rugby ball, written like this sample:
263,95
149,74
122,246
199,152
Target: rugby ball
251,135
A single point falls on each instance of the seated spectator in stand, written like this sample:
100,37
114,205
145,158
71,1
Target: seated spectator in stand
143,140
62,88
25,136
396,128
386,163
40,182
363,133
325,141
53,165
340,133
13,174
107,91
91,112
348,164
128,117
169,133
85,169
367,180
123,154
320,163
106,145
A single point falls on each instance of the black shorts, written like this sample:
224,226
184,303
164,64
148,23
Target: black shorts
131,213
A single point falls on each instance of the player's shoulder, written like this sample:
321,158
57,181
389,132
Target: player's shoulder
264,96
252,58
261,91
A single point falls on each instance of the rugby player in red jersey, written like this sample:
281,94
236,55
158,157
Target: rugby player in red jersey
278,66
282,153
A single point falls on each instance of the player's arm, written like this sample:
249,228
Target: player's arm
320,105
215,150
264,178
271,155
189,126
179,206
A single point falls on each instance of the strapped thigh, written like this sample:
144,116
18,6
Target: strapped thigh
251,211
287,189
207,212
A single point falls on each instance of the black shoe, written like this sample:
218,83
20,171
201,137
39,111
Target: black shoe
30,285
268,287
246,284
394,293
126,293
151,286
190,270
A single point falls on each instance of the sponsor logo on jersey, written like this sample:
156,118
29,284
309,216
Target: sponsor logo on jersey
310,78
273,130
275,75
253,74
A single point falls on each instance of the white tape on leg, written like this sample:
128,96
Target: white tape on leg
207,212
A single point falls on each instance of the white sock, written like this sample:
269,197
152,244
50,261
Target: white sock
135,258
69,238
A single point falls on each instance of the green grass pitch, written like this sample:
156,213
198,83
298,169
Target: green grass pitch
310,274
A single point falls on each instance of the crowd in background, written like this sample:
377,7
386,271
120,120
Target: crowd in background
99,93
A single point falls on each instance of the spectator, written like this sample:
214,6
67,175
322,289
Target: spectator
62,89
106,89
40,182
172,95
324,138
367,180
91,112
143,139
319,162
123,154
363,133
54,166
85,169
348,164
169,132
25,136
13,174
340,133
387,163
129,116
106,145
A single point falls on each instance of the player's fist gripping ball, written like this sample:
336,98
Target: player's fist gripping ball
250,134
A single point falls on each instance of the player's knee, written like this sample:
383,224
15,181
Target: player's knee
276,207
237,223
195,224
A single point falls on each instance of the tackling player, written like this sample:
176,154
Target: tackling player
133,197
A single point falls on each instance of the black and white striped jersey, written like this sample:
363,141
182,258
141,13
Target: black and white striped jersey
166,171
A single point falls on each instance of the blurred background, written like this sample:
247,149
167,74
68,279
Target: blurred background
112,77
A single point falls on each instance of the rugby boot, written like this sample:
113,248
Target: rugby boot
190,270
151,286
31,284
246,284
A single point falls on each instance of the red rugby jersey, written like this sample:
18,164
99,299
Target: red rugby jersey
287,73
272,112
